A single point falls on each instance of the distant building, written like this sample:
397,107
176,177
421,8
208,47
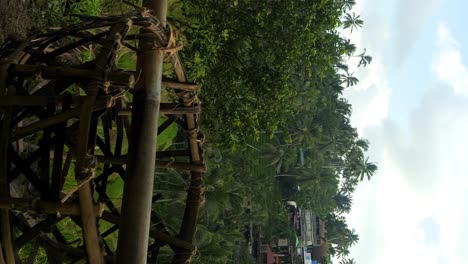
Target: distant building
320,252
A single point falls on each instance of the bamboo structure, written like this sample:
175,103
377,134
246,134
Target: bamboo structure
63,117
138,190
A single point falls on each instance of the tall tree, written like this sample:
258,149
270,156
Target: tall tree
343,202
339,236
347,261
352,21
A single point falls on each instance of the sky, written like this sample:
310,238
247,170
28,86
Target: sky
412,105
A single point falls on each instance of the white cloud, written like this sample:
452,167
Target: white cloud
422,170
410,18
394,26
448,64
369,99
425,178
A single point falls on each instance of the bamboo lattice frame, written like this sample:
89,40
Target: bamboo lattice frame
59,102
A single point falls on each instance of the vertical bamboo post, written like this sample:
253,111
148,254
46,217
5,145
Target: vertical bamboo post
194,194
2,258
6,236
4,168
138,191
82,168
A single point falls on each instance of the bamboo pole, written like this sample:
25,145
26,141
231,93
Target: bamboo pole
36,230
164,164
4,169
2,258
6,236
56,119
169,109
65,209
175,84
138,190
180,85
194,194
82,169
47,122
64,72
34,100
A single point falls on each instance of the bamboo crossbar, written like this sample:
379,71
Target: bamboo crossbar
180,85
22,132
169,109
194,194
175,84
32,100
121,160
66,72
54,208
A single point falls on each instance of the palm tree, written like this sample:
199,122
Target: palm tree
304,130
339,236
357,165
352,21
347,261
365,59
279,156
366,169
348,4
343,202
348,185
348,46
349,79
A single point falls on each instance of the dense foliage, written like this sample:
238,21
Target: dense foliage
273,73
249,56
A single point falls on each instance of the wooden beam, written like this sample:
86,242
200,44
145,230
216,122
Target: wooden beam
194,194
172,153
58,179
65,72
44,163
6,236
36,230
158,163
83,170
74,45
170,120
171,83
169,109
138,190
53,208
59,248
22,132
27,171
5,226
37,100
